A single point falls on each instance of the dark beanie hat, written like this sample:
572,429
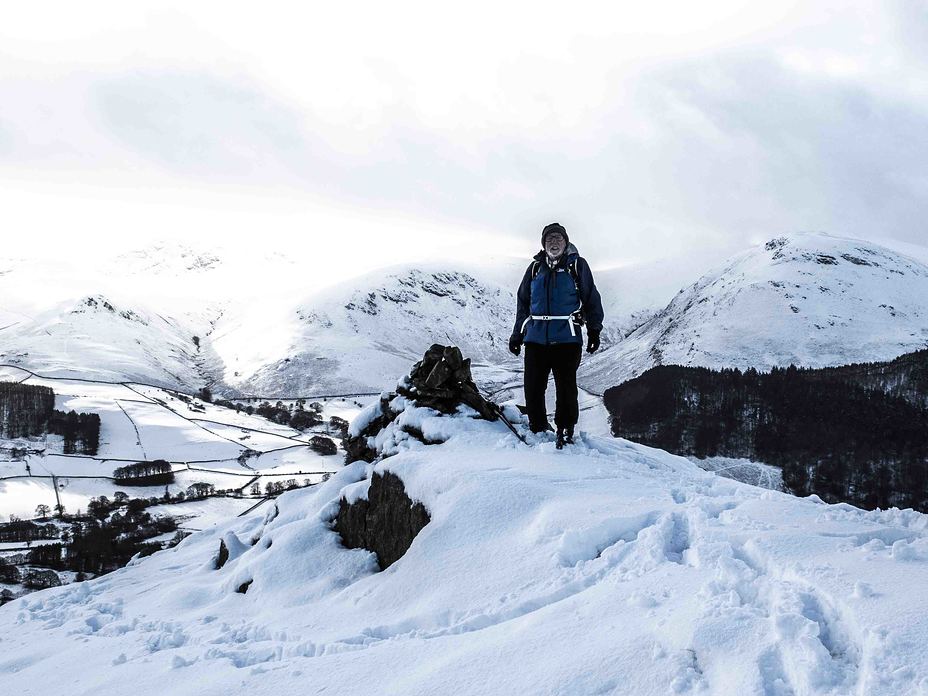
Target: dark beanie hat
552,228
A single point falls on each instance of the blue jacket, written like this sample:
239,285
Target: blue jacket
553,292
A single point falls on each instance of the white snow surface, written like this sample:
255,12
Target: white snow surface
605,568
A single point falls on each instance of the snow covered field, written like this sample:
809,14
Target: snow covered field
140,423
606,568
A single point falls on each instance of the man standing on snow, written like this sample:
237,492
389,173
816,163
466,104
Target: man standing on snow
556,297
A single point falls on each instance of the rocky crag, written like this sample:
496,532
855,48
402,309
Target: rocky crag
387,520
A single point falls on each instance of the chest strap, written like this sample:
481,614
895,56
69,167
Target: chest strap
569,318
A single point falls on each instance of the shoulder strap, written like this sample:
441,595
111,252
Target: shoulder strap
572,268
536,266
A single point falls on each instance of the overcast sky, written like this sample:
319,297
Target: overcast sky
382,131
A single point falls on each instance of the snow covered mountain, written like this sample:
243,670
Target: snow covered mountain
357,336
810,299
183,316
132,317
97,337
264,324
270,322
605,568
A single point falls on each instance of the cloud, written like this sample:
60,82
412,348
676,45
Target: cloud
751,142
200,124
643,134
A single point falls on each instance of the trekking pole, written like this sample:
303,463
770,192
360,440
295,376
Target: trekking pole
508,423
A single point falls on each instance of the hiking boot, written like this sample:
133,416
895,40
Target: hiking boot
559,443
569,436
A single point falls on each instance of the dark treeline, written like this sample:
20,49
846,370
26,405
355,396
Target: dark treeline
103,546
81,431
103,540
153,473
298,417
99,546
905,377
24,409
854,434
27,410
25,530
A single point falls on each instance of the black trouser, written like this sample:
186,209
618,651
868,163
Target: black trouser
540,360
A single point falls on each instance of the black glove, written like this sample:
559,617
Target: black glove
515,344
592,341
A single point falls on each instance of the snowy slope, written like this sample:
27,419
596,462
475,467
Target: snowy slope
266,323
114,319
607,568
102,338
271,322
357,336
809,299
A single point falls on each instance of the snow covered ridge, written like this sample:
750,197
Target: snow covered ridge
99,337
812,300
607,567
358,336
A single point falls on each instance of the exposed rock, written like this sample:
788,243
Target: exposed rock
386,523
442,381
223,555
230,548
357,447
243,588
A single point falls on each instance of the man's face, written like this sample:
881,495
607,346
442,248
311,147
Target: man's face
555,244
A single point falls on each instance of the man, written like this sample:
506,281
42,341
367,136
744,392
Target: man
556,297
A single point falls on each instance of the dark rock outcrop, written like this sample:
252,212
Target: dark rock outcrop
223,555
386,523
442,381
357,447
